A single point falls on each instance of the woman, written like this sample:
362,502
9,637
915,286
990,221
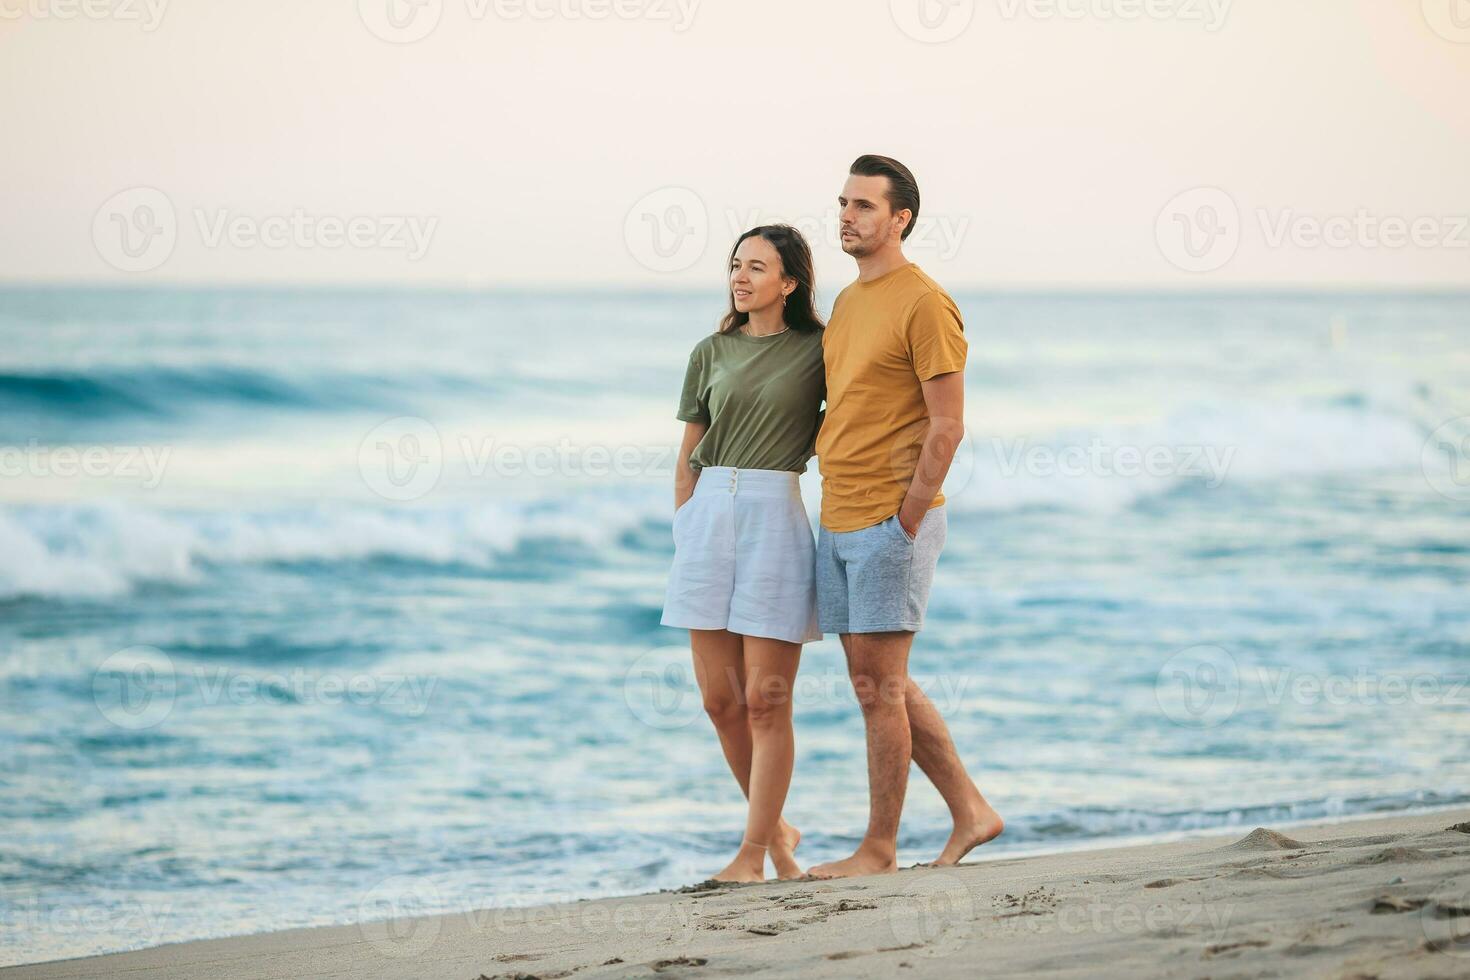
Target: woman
743,580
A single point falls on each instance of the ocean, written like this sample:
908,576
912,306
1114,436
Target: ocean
320,606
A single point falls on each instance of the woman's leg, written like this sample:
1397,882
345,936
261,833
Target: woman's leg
719,667
770,674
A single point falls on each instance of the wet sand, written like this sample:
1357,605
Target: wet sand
1387,897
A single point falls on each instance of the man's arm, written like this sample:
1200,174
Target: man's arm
944,396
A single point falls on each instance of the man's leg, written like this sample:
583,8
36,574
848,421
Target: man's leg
878,666
975,820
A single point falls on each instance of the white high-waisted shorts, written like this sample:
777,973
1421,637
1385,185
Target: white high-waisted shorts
744,557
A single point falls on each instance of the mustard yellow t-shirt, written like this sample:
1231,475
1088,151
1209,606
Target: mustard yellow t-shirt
885,337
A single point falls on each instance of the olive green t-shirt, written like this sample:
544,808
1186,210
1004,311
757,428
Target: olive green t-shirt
760,396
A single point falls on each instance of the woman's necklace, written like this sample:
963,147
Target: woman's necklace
745,329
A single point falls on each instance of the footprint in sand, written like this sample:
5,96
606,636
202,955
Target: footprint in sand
1233,949
771,928
1394,855
1273,873
849,905
1389,904
849,954
1037,901
663,965
822,912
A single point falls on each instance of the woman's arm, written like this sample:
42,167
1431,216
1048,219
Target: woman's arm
685,476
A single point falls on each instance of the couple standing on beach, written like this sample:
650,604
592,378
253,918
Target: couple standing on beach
747,580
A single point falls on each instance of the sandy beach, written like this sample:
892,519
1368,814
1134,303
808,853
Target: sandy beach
1383,897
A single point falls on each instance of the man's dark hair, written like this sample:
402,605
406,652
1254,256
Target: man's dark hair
903,190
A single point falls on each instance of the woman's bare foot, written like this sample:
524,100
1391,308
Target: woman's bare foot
749,865
869,859
783,851
971,830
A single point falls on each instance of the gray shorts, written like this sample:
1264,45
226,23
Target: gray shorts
876,579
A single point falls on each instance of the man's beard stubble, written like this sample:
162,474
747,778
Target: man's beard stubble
858,248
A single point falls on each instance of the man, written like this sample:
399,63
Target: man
895,354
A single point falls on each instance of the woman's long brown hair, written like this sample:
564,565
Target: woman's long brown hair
796,262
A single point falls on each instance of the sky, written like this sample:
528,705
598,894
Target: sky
1093,144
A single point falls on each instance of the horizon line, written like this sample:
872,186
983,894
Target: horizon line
1080,289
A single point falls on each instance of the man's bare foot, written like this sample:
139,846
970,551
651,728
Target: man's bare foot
783,851
981,824
749,865
869,859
